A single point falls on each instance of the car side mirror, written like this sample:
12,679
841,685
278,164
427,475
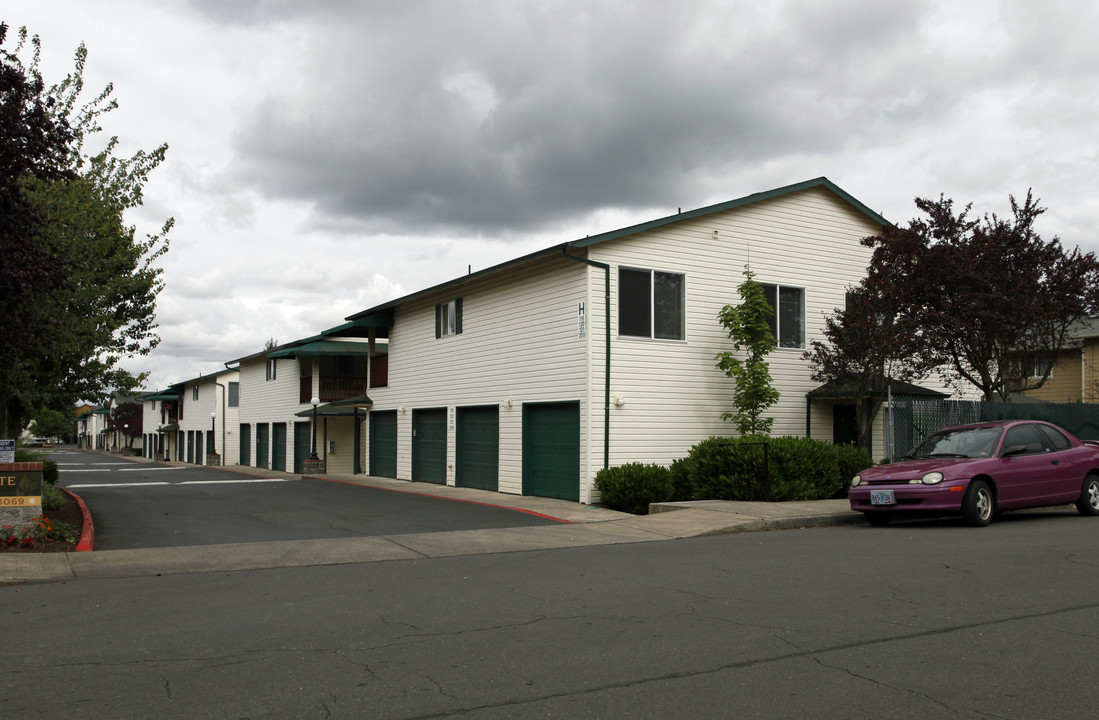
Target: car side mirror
1013,450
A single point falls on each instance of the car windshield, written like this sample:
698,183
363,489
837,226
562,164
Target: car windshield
962,443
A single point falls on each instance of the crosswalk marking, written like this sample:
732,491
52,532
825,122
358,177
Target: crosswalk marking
185,482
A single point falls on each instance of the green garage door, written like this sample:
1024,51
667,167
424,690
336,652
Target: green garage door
429,446
278,446
551,450
262,432
245,444
383,444
477,464
303,439
190,446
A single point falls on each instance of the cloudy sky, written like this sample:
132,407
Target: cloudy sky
326,156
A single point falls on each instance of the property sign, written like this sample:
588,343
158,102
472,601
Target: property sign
7,451
581,322
20,488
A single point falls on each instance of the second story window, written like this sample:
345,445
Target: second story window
234,394
271,367
651,304
194,393
788,321
448,318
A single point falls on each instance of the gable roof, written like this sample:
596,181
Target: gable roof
378,313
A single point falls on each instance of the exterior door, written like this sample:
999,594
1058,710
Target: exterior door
429,446
383,443
190,446
551,450
278,446
200,459
477,461
245,444
302,439
263,431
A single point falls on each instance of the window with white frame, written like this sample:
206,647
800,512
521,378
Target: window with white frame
787,319
234,394
448,318
194,392
651,304
271,368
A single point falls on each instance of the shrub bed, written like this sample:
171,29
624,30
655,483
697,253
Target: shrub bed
799,469
631,487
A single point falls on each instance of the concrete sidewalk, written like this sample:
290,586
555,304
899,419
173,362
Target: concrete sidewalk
583,525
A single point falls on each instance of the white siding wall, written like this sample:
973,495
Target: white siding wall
270,401
672,394
196,417
150,421
519,341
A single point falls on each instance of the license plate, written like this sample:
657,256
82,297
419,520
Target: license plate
881,497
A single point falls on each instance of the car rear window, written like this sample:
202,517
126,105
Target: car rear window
1056,438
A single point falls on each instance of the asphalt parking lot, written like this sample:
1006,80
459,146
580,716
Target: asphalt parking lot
138,504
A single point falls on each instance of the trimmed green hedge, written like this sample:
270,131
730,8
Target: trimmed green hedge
631,487
733,469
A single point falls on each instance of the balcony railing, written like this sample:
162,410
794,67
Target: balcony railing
332,389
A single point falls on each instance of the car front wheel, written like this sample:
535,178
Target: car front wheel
978,505
1088,504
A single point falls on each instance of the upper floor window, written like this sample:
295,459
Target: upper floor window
194,393
651,304
234,394
787,319
272,366
448,318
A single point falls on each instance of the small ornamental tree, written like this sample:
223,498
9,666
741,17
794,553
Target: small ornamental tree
988,295
127,418
867,344
751,334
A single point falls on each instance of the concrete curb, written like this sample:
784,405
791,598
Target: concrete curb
87,529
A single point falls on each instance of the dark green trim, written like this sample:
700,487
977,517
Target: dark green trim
607,370
731,205
822,182
322,348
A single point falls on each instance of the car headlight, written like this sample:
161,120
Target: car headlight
932,478
856,481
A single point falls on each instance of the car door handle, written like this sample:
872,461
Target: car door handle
1055,462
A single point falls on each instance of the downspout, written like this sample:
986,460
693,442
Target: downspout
607,373
224,450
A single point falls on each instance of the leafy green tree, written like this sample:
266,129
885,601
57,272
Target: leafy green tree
82,288
53,423
751,334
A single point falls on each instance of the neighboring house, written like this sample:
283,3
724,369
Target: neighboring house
531,376
337,367
200,419
1075,373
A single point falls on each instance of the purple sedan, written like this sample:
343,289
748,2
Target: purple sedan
979,470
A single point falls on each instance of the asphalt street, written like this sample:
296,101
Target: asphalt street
921,620
148,505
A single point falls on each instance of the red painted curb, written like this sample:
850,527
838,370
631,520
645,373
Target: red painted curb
87,532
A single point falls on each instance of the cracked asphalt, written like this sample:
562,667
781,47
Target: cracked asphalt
919,620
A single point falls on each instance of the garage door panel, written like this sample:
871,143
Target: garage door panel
429,446
383,443
551,450
478,448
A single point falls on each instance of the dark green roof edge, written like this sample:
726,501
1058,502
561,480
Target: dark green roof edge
633,230
731,205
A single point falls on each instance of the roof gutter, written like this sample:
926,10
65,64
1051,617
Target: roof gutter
607,325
